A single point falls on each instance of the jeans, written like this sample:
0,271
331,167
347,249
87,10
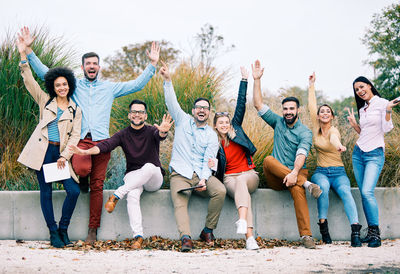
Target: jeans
367,167
46,201
335,178
149,178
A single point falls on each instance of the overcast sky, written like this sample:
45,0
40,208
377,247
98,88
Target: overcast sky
291,38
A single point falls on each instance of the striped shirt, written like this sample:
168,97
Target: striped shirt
52,127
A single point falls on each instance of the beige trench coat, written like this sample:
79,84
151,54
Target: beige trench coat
69,127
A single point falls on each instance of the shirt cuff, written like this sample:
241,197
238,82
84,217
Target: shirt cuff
302,151
263,110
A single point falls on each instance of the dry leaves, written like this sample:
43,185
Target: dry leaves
159,243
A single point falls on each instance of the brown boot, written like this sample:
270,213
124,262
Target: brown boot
137,244
111,203
92,236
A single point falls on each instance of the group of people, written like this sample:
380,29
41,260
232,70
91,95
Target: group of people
211,161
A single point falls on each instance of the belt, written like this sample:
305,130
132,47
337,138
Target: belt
54,143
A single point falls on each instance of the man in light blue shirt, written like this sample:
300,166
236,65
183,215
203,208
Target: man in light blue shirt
194,144
95,98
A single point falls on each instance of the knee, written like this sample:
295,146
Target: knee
367,193
82,169
150,167
267,161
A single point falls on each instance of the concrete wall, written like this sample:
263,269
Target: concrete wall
274,217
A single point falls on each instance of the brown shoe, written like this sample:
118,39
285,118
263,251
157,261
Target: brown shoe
137,244
92,236
315,190
111,203
308,242
207,237
187,245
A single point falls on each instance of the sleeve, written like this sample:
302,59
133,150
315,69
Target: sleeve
386,125
75,135
38,67
269,116
240,104
110,143
173,106
334,137
211,152
312,107
305,143
156,134
125,88
32,86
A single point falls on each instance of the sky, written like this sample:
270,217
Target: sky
291,38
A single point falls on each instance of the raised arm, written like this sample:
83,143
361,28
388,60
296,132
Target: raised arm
334,139
170,97
312,101
257,74
241,100
38,67
165,126
76,150
352,120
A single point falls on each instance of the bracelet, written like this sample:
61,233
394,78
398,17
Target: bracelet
164,132
244,79
23,62
388,111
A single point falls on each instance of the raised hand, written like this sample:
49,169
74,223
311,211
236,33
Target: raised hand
311,79
244,72
392,104
165,125
257,70
26,36
164,71
154,53
20,45
351,118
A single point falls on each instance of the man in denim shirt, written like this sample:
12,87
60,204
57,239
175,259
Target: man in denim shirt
285,168
95,98
194,143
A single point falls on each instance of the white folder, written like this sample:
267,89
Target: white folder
53,174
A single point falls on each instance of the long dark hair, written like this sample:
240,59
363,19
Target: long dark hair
360,102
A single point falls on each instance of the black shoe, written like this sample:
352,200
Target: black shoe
64,237
367,238
187,244
355,235
375,237
323,228
84,184
55,240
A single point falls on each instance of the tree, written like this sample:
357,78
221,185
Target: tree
132,59
210,44
383,42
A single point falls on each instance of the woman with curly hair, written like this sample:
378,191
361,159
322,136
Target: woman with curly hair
368,157
59,126
235,164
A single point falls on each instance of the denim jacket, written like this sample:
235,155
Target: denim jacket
241,138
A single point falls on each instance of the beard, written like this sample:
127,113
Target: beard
290,121
137,124
89,78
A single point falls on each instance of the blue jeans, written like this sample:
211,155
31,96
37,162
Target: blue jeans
335,178
367,167
46,201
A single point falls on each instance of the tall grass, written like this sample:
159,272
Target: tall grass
18,110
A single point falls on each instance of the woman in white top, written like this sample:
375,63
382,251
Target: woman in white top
368,154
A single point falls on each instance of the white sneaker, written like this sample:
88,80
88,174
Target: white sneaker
251,244
241,226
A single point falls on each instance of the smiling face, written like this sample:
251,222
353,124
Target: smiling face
363,91
200,112
223,125
325,115
61,87
290,112
91,68
137,115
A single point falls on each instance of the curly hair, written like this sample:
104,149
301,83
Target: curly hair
53,74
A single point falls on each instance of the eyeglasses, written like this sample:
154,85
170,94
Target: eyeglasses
198,107
141,112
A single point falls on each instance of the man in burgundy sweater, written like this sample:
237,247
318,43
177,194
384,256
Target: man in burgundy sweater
141,145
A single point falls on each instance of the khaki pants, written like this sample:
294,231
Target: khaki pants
274,172
239,186
215,190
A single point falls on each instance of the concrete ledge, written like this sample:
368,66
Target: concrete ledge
274,217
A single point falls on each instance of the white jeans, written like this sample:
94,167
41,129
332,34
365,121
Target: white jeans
149,178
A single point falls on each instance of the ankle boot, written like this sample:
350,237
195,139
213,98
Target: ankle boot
367,238
323,228
64,236
55,240
355,235
375,237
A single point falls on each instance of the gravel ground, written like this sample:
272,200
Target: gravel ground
38,257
